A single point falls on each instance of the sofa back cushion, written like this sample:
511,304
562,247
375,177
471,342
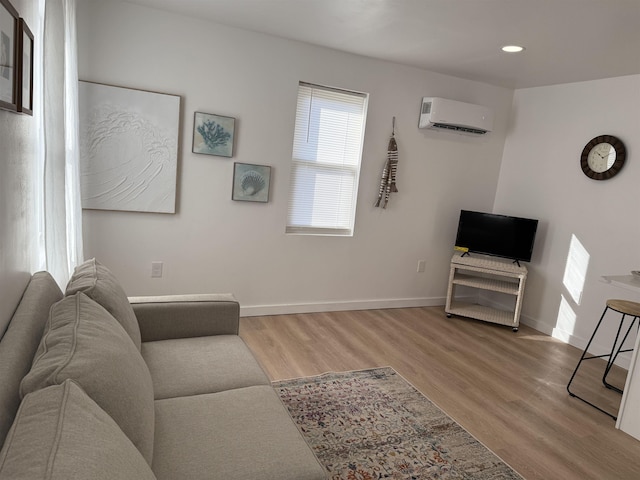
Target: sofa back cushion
19,343
59,433
83,342
97,282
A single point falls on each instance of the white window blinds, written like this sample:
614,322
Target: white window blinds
327,149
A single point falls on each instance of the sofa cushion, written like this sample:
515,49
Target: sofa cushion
238,434
59,433
20,342
198,365
83,342
97,282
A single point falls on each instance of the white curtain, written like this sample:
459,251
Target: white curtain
56,110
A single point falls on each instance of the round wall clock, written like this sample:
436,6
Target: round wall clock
603,157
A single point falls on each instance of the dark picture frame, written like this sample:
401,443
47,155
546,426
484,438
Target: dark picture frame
251,182
25,65
213,134
9,73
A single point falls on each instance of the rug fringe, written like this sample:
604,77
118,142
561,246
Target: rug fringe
333,372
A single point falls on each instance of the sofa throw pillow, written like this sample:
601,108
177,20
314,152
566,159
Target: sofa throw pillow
83,342
96,281
59,433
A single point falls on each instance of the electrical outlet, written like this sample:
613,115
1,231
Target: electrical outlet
421,266
156,269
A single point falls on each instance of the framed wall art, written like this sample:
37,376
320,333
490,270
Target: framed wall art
213,134
251,182
128,148
25,64
8,56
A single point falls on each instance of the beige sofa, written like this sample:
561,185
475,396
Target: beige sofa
94,385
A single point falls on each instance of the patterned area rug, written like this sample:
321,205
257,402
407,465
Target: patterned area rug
373,424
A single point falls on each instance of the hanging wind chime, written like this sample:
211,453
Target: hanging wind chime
388,181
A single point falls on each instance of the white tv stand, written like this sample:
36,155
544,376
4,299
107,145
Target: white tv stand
486,274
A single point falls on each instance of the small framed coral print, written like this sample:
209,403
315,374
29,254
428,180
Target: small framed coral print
213,134
25,63
251,182
8,54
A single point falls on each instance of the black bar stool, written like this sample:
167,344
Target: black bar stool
624,307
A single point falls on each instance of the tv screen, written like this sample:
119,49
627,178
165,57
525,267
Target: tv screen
497,235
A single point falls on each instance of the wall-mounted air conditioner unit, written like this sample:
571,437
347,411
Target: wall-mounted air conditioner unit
440,113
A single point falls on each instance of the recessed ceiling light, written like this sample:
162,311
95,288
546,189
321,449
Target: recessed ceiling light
512,48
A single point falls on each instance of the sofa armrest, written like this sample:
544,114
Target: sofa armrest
183,316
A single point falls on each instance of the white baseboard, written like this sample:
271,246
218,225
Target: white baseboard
284,309
536,324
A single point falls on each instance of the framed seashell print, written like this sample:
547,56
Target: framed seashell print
251,182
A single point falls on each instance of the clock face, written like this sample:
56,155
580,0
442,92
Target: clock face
601,157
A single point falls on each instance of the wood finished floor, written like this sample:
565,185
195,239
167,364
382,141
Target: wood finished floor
507,389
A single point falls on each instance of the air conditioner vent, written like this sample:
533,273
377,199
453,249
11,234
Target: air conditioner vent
459,129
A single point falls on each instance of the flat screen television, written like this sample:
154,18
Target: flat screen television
497,235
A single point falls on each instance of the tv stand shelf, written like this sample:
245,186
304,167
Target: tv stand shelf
490,275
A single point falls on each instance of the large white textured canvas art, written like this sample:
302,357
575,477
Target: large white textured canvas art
128,148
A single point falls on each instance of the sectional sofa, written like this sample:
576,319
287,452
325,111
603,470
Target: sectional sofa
97,385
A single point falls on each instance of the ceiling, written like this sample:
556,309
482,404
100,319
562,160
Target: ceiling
565,40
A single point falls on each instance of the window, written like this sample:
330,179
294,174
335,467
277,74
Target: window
327,148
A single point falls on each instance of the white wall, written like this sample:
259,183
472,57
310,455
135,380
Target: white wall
18,187
215,244
541,178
